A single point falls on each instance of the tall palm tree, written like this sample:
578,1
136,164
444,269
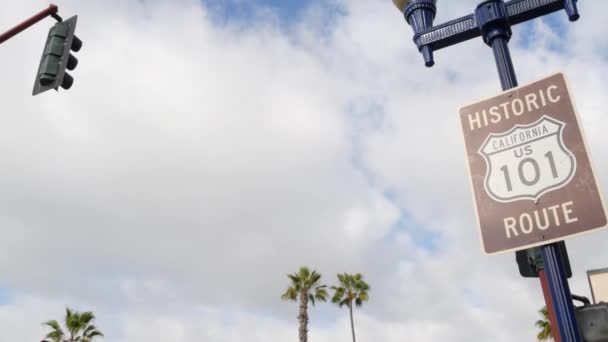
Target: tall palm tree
304,286
352,289
544,324
78,326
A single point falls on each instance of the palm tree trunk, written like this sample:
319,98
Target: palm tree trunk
352,324
303,316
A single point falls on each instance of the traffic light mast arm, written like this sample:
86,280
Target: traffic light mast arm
465,28
50,11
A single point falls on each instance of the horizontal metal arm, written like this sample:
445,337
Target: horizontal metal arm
465,28
524,10
51,10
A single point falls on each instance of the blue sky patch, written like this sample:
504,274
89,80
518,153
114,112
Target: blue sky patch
5,295
287,12
421,235
526,33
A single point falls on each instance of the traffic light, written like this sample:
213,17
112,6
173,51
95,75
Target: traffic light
56,57
592,320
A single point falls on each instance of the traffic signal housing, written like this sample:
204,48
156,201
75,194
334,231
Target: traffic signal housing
592,320
57,57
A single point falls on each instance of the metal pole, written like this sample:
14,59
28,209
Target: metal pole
51,10
560,293
560,297
506,72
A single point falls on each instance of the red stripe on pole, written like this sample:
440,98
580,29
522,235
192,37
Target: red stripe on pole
549,303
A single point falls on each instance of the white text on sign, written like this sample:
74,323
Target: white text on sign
540,219
514,107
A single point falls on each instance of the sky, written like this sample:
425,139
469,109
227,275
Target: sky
207,149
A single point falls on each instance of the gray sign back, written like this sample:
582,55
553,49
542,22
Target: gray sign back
531,175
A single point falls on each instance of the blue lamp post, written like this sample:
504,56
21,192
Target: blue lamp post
492,20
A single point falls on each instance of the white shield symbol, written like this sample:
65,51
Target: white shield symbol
527,161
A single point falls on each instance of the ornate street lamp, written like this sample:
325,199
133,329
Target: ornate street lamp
420,15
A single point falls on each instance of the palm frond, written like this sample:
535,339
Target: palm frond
541,324
54,325
88,329
362,286
294,278
55,336
338,294
304,272
321,293
91,331
92,334
290,294
544,325
86,318
72,322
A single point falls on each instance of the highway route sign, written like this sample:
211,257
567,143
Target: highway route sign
531,175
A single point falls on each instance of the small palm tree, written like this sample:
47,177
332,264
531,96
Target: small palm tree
352,289
78,325
544,324
304,286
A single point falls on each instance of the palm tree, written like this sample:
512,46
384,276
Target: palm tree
305,286
544,325
352,289
78,325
